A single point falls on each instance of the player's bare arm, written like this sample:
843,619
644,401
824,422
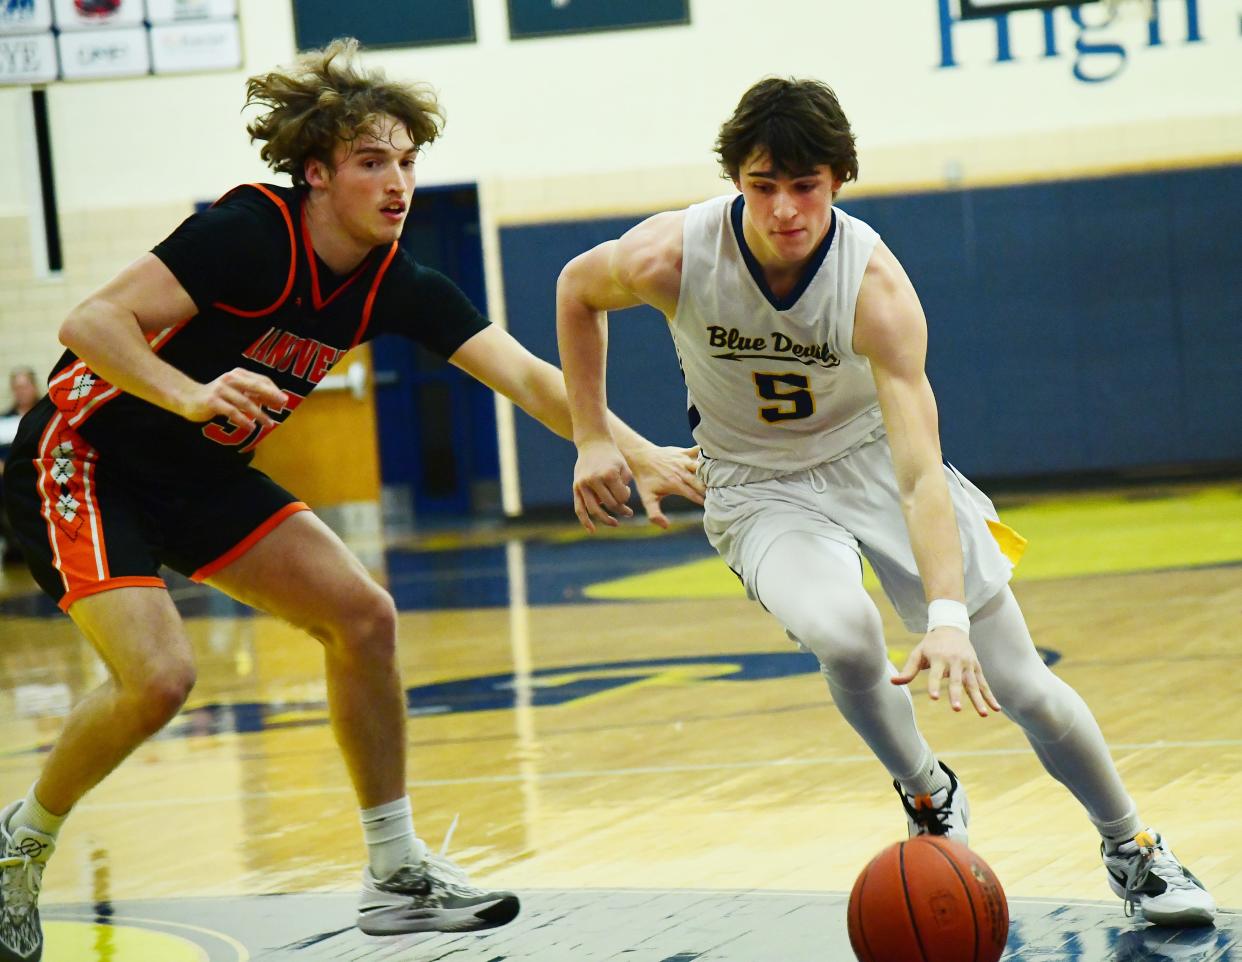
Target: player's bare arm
643,266
496,359
109,332
890,330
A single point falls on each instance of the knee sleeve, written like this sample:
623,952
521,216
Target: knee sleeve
1054,718
814,586
1036,699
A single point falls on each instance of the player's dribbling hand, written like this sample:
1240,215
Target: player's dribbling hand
660,471
601,484
948,651
239,395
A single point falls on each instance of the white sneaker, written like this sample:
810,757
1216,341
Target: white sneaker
435,896
1150,879
23,854
945,812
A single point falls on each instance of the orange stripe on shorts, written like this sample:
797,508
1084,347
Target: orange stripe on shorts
70,507
248,542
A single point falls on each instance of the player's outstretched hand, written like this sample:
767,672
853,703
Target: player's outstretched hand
239,395
948,651
601,484
662,471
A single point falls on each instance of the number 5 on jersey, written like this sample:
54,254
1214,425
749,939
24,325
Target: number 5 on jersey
790,391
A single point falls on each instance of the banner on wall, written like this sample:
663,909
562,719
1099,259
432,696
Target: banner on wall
46,40
541,18
383,23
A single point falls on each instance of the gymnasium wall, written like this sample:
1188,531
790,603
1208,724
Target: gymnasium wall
1076,326
621,123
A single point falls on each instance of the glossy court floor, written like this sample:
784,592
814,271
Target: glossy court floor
637,749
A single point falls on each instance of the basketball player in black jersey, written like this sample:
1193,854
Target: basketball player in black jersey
139,456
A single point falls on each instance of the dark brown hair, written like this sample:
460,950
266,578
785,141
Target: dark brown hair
799,123
324,98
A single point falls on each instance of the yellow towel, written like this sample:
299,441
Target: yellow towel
1012,544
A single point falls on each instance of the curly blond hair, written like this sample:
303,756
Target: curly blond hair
324,98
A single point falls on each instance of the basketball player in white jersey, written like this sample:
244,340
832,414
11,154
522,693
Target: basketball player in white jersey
803,343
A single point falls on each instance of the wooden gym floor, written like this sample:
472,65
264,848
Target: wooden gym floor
636,749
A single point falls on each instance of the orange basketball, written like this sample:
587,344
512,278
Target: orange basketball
928,900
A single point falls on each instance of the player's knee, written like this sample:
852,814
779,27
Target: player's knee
377,622
846,637
854,661
368,628
1037,705
163,694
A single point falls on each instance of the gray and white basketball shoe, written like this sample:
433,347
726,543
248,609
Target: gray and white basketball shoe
23,853
1149,878
435,896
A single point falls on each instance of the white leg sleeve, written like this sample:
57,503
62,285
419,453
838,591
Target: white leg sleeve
1055,719
813,585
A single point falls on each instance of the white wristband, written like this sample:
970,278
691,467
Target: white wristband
943,613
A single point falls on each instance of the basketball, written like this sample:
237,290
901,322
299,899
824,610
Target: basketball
928,899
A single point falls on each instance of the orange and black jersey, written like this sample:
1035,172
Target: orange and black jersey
266,303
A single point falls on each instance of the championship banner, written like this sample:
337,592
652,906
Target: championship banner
539,18
383,23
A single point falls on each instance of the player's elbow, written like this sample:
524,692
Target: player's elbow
592,282
75,329
571,283
89,326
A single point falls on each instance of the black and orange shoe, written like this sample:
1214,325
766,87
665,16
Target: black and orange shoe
945,812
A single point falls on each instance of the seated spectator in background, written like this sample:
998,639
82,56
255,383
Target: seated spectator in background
25,391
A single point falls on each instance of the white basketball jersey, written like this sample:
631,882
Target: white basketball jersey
773,384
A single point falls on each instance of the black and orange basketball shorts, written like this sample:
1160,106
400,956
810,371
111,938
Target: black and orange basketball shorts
87,525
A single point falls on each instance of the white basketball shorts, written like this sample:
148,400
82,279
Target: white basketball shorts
854,500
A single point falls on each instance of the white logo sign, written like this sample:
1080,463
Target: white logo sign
97,14
25,16
171,11
195,46
29,59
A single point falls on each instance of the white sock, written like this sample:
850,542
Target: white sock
389,833
1119,831
32,814
930,778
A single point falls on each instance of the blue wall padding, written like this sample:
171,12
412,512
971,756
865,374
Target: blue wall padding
644,383
1074,326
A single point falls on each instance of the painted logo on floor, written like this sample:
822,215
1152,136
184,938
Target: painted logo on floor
541,688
